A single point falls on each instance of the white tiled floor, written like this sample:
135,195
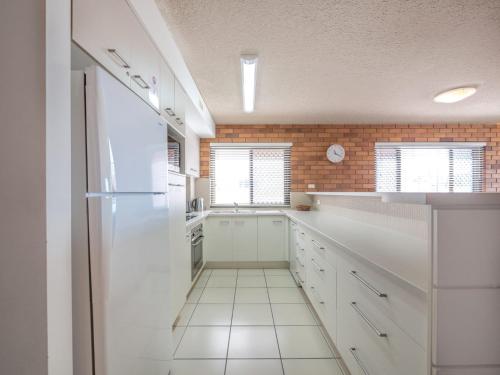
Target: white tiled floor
262,326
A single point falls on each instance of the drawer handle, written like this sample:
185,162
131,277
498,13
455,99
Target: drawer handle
354,353
318,297
317,244
224,222
299,262
140,81
368,285
123,63
367,321
317,266
179,121
277,221
169,111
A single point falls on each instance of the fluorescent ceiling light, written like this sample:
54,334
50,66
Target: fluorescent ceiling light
248,69
455,95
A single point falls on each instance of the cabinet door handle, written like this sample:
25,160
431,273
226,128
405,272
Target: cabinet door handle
121,60
317,244
298,277
367,320
317,266
178,185
140,81
354,353
317,295
368,285
179,121
169,111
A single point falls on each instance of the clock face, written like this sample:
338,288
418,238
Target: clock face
335,153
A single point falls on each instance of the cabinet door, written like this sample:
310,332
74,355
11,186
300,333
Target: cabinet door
102,29
180,100
180,256
292,250
219,239
145,65
192,153
167,86
245,239
272,238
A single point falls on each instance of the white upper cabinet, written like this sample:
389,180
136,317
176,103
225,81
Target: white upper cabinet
272,238
145,66
110,32
167,87
192,153
180,103
102,29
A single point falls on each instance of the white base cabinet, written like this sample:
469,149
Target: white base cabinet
271,236
218,239
246,238
180,253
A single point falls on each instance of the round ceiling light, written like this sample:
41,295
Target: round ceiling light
455,95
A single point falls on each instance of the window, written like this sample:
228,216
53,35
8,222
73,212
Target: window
250,174
429,167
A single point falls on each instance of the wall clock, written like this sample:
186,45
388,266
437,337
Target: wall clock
335,153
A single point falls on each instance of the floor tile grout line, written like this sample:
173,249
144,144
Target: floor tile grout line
231,326
187,324
274,327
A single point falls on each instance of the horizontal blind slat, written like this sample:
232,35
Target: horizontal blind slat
250,175
429,167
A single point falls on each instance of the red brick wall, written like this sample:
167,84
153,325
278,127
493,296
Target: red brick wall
356,172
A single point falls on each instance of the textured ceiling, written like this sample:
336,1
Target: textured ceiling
342,61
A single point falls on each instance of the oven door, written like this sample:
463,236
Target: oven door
196,256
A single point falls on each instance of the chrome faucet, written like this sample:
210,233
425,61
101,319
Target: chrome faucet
236,207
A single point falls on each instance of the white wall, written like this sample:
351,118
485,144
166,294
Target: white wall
34,188
58,179
23,305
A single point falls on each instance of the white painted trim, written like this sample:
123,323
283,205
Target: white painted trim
248,145
430,144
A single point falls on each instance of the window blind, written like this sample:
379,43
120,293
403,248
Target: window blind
250,174
429,167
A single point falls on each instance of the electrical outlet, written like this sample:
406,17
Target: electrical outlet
311,186
318,202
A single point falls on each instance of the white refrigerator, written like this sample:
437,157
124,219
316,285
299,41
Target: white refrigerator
127,223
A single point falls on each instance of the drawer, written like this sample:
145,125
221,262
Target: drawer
324,248
321,288
466,326
399,302
371,344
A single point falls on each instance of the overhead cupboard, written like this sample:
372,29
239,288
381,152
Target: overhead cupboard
112,34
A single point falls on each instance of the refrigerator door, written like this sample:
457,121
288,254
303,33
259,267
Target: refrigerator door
126,139
129,260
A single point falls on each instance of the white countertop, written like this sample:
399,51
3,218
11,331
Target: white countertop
399,254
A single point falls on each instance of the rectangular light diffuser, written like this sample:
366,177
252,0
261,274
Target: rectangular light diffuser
248,70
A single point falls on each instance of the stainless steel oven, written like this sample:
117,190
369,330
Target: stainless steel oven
196,250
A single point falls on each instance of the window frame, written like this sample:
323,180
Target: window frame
251,146
450,146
